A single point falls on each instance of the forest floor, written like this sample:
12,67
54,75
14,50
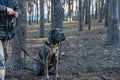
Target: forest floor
85,55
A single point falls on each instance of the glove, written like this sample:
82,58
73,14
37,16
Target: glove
10,35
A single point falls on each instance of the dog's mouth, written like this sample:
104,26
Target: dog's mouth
61,39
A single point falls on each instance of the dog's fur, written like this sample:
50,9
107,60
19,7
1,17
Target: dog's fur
49,54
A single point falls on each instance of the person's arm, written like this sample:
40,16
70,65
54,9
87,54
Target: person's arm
16,9
6,9
3,8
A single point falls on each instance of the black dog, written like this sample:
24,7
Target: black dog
49,54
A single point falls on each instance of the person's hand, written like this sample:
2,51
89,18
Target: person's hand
10,11
16,14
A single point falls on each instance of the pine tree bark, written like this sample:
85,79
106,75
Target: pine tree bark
37,16
87,14
96,9
70,3
106,13
19,39
30,12
57,14
41,18
119,7
81,15
101,11
113,29
48,15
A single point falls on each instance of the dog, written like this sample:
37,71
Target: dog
49,54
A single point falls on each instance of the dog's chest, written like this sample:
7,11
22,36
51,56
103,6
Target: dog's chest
52,52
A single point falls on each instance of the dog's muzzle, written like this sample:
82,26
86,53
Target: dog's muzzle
61,36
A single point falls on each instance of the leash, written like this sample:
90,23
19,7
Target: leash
31,56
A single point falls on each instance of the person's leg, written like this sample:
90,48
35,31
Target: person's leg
5,44
2,62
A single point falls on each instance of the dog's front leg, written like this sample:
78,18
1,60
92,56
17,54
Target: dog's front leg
46,76
56,66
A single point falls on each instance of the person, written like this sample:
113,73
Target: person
8,10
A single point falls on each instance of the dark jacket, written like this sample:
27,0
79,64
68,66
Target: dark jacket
5,19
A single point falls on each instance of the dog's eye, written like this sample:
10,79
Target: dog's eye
57,33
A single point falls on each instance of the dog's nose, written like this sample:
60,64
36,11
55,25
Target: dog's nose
64,37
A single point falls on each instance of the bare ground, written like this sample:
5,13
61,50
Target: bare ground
84,54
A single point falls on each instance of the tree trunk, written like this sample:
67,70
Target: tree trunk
113,29
92,9
76,11
81,16
106,13
41,18
87,14
30,12
119,7
57,14
96,9
48,5
101,11
36,2
19,39
70,2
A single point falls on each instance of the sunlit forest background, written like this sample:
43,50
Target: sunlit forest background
91,50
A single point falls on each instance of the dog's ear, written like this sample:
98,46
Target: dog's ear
50,34
51,31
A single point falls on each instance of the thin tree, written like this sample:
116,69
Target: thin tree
70,9
87,13
113,29
119,7
37,10
106,13
101,11
30,7
92,4
96,9
41,19
81,15
49,8
76,9
89,16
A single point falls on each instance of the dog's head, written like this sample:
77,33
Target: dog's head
56,35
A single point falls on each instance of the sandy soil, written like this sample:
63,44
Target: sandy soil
84,54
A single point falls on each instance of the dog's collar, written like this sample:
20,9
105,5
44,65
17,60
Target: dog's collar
51,47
